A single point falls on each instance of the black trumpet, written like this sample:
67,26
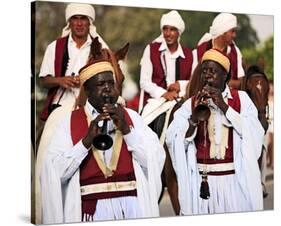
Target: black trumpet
103,141
202,111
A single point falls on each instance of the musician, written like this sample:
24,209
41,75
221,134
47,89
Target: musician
216,160
81,183
62,61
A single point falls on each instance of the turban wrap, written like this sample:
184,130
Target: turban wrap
79,9
171,18
174,19
73,9
221,24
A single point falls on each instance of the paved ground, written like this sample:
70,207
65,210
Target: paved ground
167,210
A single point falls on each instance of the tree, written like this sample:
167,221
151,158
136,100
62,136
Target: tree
139,26
246,35
267,51
261,55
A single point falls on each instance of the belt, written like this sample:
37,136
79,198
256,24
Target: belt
217,169
108,187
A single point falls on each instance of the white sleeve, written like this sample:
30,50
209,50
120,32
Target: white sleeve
183,157
183,84
195,60
149,157
65,157
247,150
235,119
248,113
47,66
146,83
240,70
179,125
141,140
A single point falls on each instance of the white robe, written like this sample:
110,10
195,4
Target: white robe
60,187
230,193
78,59
47,135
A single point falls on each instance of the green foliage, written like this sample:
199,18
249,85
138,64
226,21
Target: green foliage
246,35
267,51
138,26
262,55
49,22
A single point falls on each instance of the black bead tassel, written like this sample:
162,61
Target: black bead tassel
204,188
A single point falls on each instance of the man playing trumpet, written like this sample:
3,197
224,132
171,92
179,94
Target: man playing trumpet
81,183
215,158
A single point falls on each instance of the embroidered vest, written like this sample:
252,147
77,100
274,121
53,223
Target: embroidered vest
202,48
61,60
183,67
91,174
202,142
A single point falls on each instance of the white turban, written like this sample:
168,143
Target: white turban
79,9
85,10
221,24
174,19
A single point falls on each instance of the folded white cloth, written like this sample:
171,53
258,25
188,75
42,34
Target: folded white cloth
155,107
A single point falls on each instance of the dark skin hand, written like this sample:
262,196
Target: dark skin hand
117,114
216,95
172,91
94,130
174,87
66,82
170,95
214,78
202,96
110,111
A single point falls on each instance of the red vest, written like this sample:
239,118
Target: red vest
183,67
60,68
91,174
203,144
202,48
